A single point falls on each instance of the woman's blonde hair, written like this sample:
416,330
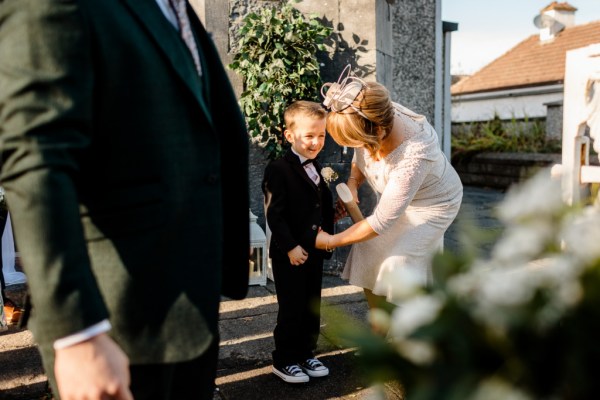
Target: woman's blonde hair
349,128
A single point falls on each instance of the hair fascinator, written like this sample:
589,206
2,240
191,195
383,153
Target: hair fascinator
340,95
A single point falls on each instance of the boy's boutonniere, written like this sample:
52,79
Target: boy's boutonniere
329,175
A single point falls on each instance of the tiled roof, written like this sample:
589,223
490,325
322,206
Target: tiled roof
531,62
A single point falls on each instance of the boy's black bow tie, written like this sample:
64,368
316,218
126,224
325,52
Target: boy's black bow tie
308,161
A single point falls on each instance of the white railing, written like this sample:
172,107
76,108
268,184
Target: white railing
581,110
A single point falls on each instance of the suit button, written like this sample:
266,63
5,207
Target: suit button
317,205
211,179
314,227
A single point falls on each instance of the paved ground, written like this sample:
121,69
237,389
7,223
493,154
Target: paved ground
244,370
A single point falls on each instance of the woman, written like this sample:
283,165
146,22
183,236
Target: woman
419,193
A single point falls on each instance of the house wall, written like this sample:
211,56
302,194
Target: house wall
507,104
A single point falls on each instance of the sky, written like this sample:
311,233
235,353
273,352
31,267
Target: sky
489,28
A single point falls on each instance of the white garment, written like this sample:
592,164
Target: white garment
419,194
11,276
311,171
168,12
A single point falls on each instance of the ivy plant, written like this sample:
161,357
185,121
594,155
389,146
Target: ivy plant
277,60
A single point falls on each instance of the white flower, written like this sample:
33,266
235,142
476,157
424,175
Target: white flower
525,241
508,287
400,282
581,233
413,314
417,351
328,174
540,196
379,318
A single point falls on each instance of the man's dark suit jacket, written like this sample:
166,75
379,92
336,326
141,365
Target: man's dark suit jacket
126,174
296,207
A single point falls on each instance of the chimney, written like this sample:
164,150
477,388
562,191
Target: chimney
562,12
554,18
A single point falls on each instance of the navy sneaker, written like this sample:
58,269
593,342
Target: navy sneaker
314,368
291,374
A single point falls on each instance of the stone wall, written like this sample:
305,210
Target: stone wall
502,170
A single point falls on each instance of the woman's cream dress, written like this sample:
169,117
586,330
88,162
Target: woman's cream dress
419,194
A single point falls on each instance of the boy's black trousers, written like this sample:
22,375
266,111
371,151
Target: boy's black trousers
298,290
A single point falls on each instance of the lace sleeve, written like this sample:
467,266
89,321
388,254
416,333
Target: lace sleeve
403,183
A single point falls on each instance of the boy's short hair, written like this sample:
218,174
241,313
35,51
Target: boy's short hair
303,107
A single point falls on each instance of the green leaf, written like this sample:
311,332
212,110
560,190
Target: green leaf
276,60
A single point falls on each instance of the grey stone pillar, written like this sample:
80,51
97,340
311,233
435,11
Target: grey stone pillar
414,31
384,46
446,132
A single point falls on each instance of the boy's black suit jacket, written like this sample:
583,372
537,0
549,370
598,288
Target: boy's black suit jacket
126,174
295,207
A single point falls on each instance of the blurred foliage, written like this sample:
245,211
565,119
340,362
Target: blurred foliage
501,136
521,324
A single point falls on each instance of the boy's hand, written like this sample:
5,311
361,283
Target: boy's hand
297,255
340,211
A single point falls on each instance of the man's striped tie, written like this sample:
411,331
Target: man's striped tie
180,8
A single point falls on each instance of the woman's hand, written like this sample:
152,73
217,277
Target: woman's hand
355,179
323,239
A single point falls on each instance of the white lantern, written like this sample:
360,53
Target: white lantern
258,253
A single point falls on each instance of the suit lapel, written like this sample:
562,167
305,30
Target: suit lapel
322,182
318,167
167,38
297,166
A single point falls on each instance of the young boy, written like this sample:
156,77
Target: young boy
297,203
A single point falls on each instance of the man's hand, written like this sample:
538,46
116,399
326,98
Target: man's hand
94,369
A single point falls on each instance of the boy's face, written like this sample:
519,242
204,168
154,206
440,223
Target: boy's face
308,136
